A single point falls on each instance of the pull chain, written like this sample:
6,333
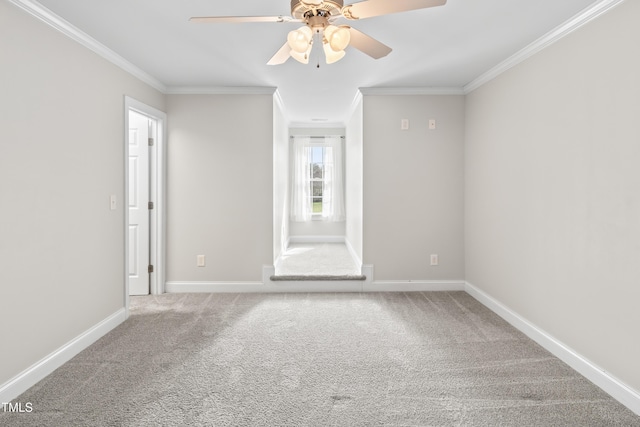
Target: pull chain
318,50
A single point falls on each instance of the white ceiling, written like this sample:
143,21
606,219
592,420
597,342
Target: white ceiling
441,47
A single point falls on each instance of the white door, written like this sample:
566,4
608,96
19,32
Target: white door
138,204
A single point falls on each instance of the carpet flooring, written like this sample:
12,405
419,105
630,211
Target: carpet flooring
317,259
378,359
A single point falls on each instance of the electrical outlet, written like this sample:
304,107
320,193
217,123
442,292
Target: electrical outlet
432,124
200,261
434,259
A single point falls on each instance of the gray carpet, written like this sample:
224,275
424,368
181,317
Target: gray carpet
394,359
317,259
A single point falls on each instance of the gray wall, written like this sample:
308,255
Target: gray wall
219,187
353,180
553,191
414,187
61,157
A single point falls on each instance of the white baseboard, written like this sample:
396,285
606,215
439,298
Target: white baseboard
29,377
414,286
313,286
269,286
607,382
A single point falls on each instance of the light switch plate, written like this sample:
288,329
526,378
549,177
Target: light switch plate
200,261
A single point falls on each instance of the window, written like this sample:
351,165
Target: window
317,183
316,167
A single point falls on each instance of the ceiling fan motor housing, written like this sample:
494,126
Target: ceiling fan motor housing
301,9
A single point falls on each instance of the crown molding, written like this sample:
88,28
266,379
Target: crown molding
221,90
411,91
48,17
543,42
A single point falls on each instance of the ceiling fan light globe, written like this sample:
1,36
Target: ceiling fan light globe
302,57
328,32
299,39
339,39
331,55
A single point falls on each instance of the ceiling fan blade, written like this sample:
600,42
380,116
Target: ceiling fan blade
368,44
281,55
240,19
371,8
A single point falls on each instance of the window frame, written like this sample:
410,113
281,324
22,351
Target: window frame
315,145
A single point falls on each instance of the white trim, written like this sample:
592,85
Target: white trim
607,382
277,98
158,245
271,287
357,99
267,272
316,286
367,271
411,91
286,245
414,286
277,262
268,286
220,90
29,377
48,17
316,239
353,253
543,42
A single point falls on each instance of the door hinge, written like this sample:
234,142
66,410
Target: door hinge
150,269
150,142
150,205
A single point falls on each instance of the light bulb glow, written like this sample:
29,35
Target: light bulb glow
299,39
331,55
328,32
337,37
302,57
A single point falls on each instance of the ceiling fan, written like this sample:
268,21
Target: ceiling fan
318,17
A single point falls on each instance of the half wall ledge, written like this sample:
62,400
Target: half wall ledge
315,278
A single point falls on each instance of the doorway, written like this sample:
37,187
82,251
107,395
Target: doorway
144,193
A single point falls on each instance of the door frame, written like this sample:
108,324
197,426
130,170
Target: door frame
157,161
